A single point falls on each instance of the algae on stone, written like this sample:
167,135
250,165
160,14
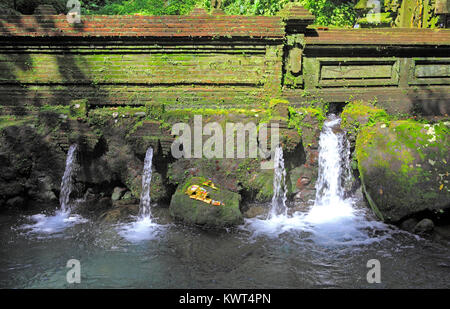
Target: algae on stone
403,167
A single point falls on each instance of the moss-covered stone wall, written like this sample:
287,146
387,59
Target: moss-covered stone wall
44,61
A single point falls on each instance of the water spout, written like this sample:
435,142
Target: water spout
67,180
334,219
63,218
334,174
334,163
144,228
279,186
144,207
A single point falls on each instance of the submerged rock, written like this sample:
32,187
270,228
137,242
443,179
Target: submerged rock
192,211
403,167
255,211
120,213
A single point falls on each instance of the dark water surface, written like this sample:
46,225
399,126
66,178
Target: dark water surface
294,252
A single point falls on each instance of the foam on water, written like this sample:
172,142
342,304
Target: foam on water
52,225
140,230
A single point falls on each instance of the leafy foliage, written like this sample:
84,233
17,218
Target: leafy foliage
253,7
144,7
332,12
327,12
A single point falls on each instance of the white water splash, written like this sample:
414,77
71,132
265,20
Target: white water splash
333,220
142,229
279,198
52,225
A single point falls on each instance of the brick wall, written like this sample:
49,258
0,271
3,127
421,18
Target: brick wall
214,61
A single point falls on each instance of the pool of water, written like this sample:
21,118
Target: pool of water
285,252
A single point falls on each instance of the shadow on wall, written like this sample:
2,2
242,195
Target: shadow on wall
21,97
430,102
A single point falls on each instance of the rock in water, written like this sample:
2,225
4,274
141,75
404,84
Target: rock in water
192,211
424,226
403,167
409,224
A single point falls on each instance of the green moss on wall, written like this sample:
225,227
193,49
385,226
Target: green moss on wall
8,121
297,117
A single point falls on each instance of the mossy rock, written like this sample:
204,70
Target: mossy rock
10,121
403,167
308,122
195,212
262,183
290,139
158,190
357,114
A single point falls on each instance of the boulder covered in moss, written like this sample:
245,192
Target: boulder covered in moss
196,212
358,114
404,167
243,176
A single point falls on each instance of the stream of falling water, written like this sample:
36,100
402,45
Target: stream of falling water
279,186
144,227
67,180
334,219
63,218
144,207
334,172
